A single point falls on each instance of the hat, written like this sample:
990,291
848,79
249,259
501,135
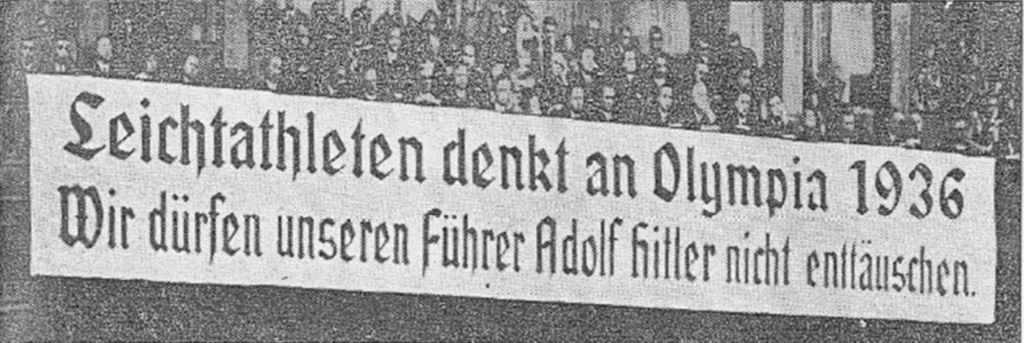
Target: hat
655,32
550,21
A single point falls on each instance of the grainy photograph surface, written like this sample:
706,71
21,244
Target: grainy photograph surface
510,170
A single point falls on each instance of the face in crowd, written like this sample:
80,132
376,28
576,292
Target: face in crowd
849,122
776,108
503,92
626,35
961,129
734,40
151,64
462,76
394,39
195,33
62,49
558,65
992,107
191,67
743,104
27,51
497,70
469,55
524,59
700,72
810,119
370,82
303,35
588,59
342,68
608,97
429,21
550,27
427,68
657,41
594,24
665,99
744,78
274,65
576,98
660,75
104,48
629,63
568,45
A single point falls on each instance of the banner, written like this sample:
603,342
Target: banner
174,183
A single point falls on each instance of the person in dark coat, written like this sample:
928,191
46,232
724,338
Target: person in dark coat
63,61
464,91
667,111
270,77
554,87
851,129
812,129
606,107
103,62
574,105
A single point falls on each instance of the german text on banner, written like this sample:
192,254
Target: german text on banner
174,183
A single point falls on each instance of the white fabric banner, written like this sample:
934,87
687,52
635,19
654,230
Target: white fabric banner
174,183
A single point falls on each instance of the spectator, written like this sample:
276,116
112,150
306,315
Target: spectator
150,68
394,66
585,74
28,56
735,57
656,43
464,92
191,70
104,63
64,56
468,57
505,100
812,130
429,34
527,72
593,36
338,83
607,109
629,77
965,139
529,101
738,116
850,130
370,88
658,76
702,96
567,45
500,38
899,129
590,70
270,77
549,39
777,122
575,104
624,41
667,111
555,86
427,92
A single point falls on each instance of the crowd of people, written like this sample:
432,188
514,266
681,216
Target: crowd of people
506,60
